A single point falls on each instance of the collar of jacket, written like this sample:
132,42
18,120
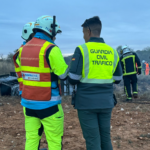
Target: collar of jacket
24,42
96,39
40,35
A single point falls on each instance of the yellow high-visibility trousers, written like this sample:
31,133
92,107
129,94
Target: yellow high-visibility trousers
53,127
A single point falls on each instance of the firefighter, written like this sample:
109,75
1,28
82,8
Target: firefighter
42,66
94,67
27,35
128,63
147,69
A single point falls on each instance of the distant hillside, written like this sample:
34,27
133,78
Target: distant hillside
144,55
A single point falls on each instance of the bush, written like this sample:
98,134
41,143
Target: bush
6,67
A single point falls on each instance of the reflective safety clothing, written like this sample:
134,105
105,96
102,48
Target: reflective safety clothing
41,81
98,64
37,76
128,63
130,81
147,69
42,64
51,120
18,69
131,65
94,68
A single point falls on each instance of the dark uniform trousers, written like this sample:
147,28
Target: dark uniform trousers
128,81
95,126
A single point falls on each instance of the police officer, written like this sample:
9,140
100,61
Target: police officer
27,35
94,68
128,62
42,66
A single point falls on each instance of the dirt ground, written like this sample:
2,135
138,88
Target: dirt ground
130,126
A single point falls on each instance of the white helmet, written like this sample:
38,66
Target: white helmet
125,49
47,24
27,30
143,61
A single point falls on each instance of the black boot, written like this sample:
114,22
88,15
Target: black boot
135,95
128,100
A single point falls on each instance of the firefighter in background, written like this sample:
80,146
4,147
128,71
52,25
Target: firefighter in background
147,69
128,63
143,67
42,66
27,35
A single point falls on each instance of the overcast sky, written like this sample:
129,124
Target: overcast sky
123,21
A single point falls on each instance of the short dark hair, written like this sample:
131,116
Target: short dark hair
94,24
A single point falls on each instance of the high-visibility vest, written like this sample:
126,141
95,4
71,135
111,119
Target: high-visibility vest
147,66
36,72
99,63
147,69
18,69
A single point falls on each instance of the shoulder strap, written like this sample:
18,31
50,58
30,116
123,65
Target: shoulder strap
47,54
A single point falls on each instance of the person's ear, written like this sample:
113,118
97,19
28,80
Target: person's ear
89,32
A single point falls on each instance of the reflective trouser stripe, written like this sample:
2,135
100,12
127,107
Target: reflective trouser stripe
135,92
126,91
53,128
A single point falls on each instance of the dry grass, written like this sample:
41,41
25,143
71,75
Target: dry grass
6,67
143,78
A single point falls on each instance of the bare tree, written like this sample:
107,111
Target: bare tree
1,56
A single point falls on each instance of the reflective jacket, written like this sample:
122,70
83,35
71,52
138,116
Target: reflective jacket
36,72
147,66
94,68
128,63
41,64
147,69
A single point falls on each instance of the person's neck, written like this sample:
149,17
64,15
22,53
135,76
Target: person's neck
47,35
95,36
